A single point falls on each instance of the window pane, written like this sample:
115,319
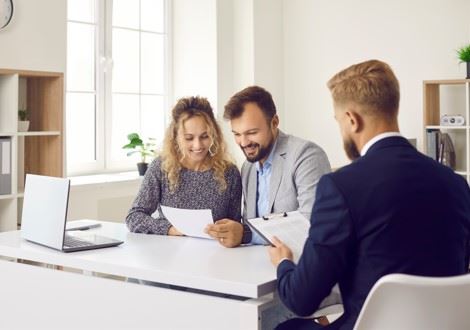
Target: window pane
80,127
81,10
125,120
152,63
126,13
80,57
126,61
153,123
151,12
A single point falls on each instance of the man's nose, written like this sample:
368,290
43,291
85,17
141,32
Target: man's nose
244,141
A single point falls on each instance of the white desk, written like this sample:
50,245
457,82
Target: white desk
182,261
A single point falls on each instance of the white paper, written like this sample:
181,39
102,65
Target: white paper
291,230
189,222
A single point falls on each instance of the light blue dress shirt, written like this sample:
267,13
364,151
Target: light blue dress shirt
262,195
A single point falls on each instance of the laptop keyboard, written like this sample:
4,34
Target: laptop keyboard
73,242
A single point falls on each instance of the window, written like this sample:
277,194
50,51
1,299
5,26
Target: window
116,80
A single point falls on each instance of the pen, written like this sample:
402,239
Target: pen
275,215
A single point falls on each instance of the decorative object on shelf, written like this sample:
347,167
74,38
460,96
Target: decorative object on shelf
463,54
452,120
144,149
6,12
23,122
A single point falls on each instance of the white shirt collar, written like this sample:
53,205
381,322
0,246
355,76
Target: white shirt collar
377,138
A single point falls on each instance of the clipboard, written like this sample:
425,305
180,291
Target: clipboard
290,227
265,218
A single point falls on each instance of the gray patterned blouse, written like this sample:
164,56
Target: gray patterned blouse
196,190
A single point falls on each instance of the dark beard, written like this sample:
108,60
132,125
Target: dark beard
351,149
262,152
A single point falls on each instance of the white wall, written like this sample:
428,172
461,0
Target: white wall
103,201
194,49
249,52
36,37
417,38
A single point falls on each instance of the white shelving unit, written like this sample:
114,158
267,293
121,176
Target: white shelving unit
40,150
456,93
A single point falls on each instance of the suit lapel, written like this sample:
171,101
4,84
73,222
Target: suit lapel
249,177
277,168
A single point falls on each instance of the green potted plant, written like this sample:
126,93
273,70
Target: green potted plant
144,149
463,54
23,122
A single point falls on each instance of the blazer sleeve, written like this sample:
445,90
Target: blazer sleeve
325,255
311,164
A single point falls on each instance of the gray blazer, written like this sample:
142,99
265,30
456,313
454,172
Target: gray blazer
296,168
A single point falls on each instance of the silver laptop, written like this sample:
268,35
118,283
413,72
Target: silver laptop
45,215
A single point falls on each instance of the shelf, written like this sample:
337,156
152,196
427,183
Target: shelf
9,196
39,133
40,150
446,127
447,82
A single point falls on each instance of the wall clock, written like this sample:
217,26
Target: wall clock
6,12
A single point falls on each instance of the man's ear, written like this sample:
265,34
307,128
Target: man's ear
355,121
275,122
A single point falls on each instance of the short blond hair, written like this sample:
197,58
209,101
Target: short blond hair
371,84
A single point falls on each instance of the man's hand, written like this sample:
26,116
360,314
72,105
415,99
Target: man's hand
229,233
279,252
174,232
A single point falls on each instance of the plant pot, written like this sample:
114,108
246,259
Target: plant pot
142,168
468,70
23,126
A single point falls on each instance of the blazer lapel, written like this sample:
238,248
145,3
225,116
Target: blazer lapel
251,187
277,168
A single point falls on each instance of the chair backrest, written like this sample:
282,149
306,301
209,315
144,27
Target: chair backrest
405,302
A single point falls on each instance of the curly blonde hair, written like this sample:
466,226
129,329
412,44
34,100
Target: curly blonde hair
172,155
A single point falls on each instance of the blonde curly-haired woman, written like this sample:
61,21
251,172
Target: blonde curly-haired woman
193,171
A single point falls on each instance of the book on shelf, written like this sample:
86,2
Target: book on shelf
5,165
440,147
432,147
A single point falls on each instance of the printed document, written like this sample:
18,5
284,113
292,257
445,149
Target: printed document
291,229
189,222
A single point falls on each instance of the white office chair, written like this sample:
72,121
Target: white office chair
408,302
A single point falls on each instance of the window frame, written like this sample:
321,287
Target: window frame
103,90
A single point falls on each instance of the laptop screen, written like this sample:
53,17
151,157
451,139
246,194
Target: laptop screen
45,210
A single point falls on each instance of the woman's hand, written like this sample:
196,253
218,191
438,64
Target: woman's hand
174,232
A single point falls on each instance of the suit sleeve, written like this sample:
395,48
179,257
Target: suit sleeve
311,164
325,255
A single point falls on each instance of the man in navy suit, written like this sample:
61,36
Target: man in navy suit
392,210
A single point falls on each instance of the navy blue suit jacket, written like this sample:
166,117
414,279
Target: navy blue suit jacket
394,210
